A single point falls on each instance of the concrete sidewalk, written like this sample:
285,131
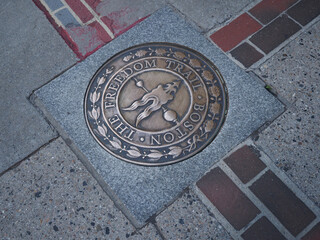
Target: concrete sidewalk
266,187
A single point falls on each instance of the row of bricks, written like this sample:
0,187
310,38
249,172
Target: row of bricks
80,29
84,14
239,210
264,27
80,24
249,37
76,5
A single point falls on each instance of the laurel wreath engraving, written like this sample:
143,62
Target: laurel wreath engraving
153,155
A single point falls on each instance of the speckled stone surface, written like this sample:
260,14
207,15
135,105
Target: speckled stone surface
188,218
30,56
209,14
144,191
51,195
294,71
293,140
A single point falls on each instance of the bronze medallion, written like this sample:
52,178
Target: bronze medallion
156,104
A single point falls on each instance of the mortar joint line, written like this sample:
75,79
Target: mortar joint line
227,54
247,41
287,181
246,9
308,228
91,21
57,21
278,48
57,10
291,185
262,25
158,229
73,13
296,3
266,212
256,177
265,56
295,21
98,18
253,221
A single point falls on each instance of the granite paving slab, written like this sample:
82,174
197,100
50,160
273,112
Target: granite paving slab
141,191
51,195
188,218
32,53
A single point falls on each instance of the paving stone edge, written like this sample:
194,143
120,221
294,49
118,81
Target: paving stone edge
39,105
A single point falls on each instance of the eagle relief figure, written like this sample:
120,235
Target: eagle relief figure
156,99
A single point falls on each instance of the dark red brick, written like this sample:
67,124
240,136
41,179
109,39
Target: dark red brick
267,10
246,54
93,3
275,33
305,11
263,229
245,163
239,29
103,35
232,203
81,10
282,202
313,234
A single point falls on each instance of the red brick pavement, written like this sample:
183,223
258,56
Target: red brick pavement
238,208
82,27
278,20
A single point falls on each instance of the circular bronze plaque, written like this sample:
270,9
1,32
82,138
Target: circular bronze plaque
156,104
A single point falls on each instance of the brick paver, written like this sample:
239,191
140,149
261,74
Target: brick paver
245,163
313,234
262,229
246,54
283,203
81,10
93,3
275,33
305,11
103,35
267,10
239,29
232,197
234,205
277,28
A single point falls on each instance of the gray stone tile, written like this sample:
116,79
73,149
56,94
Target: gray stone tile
209,14
188,218
32,53
144,191
51,195
292,141
294,71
